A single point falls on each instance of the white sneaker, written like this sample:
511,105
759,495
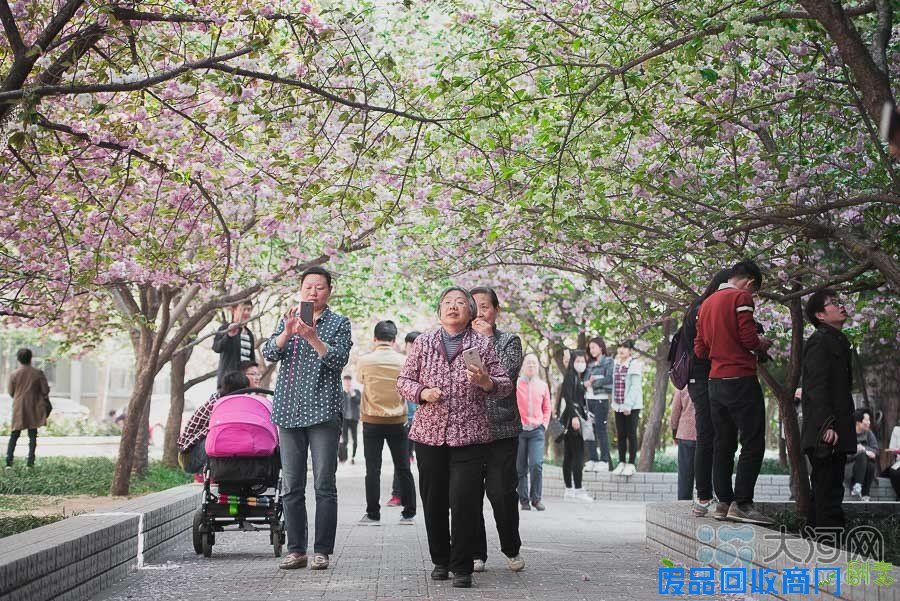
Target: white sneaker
856,492
865,498
570,492
516,564
629,470
619,469
601,466
582,495
478,566
589,466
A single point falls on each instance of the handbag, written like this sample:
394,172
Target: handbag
48,406
587,427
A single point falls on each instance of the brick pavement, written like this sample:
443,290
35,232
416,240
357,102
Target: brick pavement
574,552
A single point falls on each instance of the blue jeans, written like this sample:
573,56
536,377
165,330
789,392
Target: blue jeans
530,461
321,441
600,409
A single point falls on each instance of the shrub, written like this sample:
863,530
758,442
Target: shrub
72,426
22,523
93,476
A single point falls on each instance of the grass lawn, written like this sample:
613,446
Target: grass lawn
58,487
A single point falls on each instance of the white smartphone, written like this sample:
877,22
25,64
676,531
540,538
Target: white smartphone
472,358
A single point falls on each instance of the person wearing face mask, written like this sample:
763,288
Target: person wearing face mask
573,416
628,398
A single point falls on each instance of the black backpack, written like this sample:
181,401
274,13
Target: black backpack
681,359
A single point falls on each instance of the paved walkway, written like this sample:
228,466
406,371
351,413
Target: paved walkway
574,552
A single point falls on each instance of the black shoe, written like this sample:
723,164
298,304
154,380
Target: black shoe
462,580
440,573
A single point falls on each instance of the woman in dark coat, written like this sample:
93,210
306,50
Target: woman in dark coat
573,418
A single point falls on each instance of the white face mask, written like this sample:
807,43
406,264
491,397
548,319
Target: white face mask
579,366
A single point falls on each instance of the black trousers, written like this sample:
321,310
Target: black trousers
500,481
703,452
14,440
686,451
395,484
374,437
862,472
450,480
573,459
349,429
826,492
626,435
738,413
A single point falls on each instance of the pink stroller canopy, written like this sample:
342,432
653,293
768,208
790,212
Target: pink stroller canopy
241,425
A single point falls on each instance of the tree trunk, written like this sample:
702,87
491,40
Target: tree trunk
653,424
134,417
142,441
882,375
176,407
785,395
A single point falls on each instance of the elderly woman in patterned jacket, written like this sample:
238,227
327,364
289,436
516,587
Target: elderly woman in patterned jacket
501,478
451,429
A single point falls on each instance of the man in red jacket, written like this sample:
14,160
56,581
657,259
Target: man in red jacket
726,335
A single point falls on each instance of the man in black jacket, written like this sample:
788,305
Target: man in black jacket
828,432
233,342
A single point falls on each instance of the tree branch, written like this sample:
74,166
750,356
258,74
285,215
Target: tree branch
11,29
8,96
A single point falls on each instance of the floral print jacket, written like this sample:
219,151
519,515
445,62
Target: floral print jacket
459,418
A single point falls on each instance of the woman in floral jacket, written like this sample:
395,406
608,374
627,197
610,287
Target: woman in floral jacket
451,429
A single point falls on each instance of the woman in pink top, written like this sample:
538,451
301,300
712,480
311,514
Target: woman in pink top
450,430
684,431
533,397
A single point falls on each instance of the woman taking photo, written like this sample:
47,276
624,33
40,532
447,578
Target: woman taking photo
573,416
598,381
628,399
451,429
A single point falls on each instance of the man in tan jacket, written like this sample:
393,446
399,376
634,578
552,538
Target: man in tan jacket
383,414
31,402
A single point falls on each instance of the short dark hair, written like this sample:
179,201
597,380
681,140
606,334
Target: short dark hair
598,340
247,364
247,302
628,343
385,331
748,269
233,380
24,356
411,337
317,270
489,292
816,304
860,413
348,377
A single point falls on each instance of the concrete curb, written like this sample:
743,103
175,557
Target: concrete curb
76,558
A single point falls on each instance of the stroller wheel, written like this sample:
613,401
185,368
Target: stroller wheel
206,542
195,532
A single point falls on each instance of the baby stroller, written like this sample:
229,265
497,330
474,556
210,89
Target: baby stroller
242,477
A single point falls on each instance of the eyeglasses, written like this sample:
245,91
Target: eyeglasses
835,302
448,304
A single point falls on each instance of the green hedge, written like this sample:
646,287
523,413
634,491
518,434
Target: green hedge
71,426
22,523
93,476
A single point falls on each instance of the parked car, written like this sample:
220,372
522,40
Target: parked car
62,407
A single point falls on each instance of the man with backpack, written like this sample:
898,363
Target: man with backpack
727,336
